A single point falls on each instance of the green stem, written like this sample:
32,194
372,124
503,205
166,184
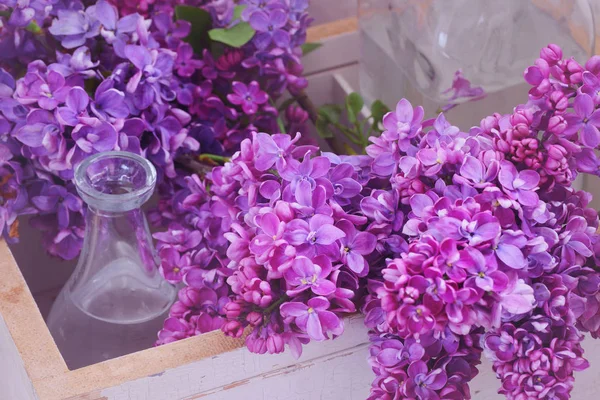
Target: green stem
306,103
212,157
279,302
188,163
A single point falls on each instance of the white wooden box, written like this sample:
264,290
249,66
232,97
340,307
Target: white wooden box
209,366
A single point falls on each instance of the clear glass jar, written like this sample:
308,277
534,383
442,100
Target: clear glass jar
116,301
414,48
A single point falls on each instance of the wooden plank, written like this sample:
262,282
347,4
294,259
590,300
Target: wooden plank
342,375
340,46
318,33
25,323
225,369
14,382
324,11
147,363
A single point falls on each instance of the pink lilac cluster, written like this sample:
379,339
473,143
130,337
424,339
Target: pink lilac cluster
486,237
452,243
79,77
295,248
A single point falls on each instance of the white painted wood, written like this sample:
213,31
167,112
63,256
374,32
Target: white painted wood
244,369
339,50
335,370
14,382
324,11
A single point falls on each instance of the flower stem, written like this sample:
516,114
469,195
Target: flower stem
279,302
306,103
212,158
188,163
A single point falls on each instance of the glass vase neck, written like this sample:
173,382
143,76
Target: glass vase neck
115,181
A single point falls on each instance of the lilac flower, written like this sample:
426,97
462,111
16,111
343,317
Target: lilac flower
462,90
309,170
476,173
575,242
431,160
185,63
305,274
394,352
173,266
272,150
344,185
585,120
314,236
458,225
269,26
457,309
114,30
153,70
508,250
483,274
174,329
423,383
518,297
41,132
109,102
418,319
253,6
76,107
102,137
521,185
73,27
273,230
48,90
354,246
249,97
402,124
313,317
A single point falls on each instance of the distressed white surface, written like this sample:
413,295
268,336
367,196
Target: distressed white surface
211,375
335,370
324,11
14,382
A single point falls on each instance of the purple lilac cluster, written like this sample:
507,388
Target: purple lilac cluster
81,77
487,237
452,243
295,248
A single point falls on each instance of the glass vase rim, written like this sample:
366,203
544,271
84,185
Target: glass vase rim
120,201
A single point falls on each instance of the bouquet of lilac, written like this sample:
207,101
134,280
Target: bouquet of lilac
180,82
453,244
499,250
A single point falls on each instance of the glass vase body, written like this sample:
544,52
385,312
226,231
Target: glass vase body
414,48
115,302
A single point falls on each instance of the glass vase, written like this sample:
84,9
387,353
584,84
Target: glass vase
416,48
115,302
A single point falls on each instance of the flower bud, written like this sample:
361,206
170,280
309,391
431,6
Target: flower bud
275,344
233,329
254,318
551,54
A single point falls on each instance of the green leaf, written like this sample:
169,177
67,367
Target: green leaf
323,128
237,12
236,36
201,23
310,47
354,103
33,27
330,113
378,110
281,125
